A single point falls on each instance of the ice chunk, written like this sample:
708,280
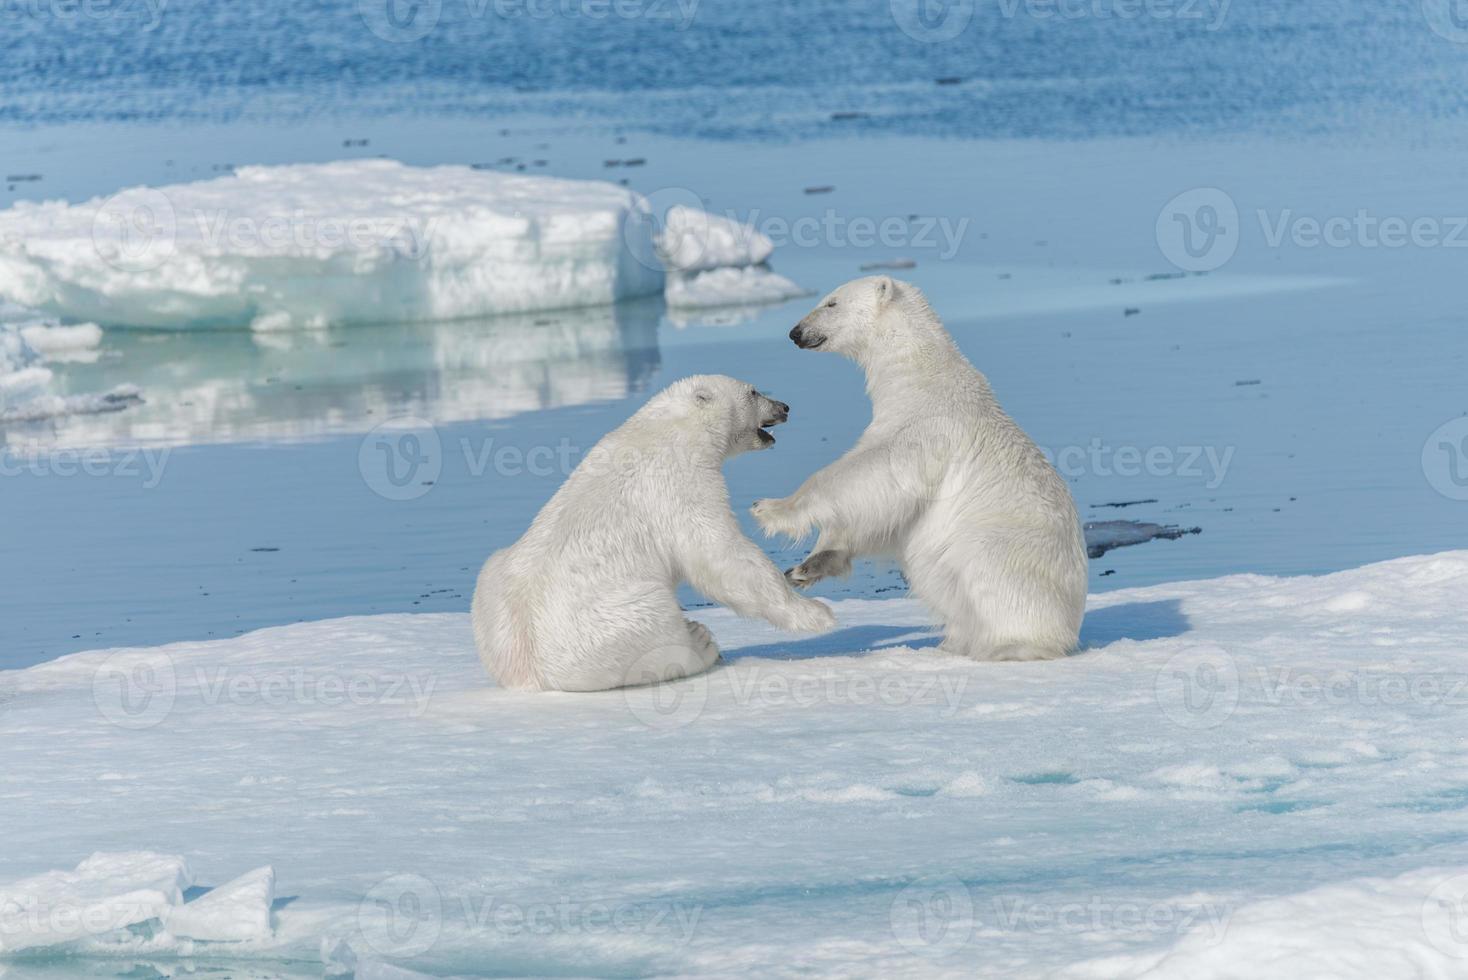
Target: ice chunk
56,342
105,893
730,287
233,912
352,241
695,241
1104,536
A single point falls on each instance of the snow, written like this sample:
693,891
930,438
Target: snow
368,241
1244,776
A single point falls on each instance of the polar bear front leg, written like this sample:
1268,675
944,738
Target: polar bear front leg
860,501
724,565
821,564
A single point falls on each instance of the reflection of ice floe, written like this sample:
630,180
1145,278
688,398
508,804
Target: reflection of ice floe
224,386
353,242
28,388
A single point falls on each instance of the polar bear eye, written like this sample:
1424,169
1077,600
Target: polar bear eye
753,393
830,304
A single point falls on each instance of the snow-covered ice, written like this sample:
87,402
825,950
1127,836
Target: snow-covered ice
310,245
236,911
1244,776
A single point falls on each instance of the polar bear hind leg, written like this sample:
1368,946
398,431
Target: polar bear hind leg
991,609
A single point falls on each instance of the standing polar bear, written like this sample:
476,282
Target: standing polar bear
943,480
585,601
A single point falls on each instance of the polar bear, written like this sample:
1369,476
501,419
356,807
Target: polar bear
944,481
584,601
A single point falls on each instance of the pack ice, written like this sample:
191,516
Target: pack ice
282,247
1249,776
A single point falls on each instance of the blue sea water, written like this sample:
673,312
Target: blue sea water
1314,376
762,69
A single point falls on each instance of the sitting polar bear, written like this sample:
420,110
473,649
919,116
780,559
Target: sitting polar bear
584,601
944,481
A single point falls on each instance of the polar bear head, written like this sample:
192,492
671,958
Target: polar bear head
846,321
733,414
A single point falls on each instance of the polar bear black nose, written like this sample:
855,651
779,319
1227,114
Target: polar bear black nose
795,333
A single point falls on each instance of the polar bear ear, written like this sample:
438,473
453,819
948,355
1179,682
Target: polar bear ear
886,289
703,395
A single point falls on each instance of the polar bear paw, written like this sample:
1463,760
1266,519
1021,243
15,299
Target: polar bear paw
779,517
810,616
821,565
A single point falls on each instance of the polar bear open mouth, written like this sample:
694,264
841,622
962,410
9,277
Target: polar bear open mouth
765,438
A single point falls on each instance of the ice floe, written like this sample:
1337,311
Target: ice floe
368,241
1236,777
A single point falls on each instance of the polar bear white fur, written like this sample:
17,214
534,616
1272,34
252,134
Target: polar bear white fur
585,601
942,480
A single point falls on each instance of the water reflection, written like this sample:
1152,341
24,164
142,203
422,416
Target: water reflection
237,386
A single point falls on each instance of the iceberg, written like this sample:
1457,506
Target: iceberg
351,242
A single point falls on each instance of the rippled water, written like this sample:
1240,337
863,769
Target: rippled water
754,69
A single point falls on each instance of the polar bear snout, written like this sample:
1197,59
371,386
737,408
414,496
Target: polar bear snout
780,412
805,338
